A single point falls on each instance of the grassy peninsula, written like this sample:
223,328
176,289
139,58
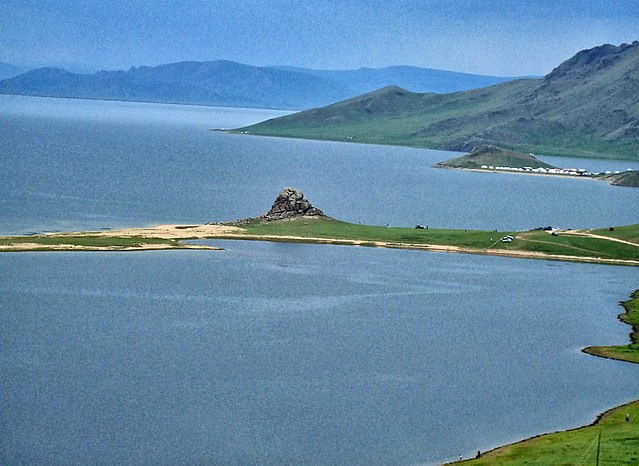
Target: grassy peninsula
619,245
89,241
494,159
629,179
584,245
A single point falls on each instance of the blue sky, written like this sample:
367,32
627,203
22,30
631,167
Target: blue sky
513,37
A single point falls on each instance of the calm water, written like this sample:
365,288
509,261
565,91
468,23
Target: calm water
285,353
70,164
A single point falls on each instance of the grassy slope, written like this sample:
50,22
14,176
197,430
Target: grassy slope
582,109
459,121
495,156
392,116
533,241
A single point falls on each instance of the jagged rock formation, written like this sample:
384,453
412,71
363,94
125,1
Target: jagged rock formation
291,203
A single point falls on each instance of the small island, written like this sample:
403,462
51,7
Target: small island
488,157
491,158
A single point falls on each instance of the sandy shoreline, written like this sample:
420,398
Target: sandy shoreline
165,232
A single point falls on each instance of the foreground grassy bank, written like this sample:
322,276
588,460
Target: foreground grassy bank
618,444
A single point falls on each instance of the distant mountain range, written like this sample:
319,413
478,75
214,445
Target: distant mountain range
226,83
586,107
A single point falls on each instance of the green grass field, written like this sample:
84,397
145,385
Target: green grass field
530,241
627,233
566,244
336,229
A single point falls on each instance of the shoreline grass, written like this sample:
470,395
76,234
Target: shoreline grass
629,352
578,446
616,246
565,245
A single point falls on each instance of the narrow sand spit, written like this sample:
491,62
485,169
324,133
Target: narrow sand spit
169,231
18,247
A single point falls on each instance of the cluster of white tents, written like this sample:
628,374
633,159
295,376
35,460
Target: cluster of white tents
549,171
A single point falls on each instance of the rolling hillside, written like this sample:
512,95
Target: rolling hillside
586,107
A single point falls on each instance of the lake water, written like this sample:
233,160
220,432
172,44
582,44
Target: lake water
73,164
284,353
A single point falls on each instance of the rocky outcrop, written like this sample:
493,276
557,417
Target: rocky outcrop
291,203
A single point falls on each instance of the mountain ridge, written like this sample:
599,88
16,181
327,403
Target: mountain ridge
228,83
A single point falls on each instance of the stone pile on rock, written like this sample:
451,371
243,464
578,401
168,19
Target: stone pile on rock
291,203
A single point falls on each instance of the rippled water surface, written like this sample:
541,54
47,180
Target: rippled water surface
284,353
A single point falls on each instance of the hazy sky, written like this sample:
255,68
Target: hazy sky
516,37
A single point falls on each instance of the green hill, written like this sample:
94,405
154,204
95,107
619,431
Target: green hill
494,156
629,179
586,107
